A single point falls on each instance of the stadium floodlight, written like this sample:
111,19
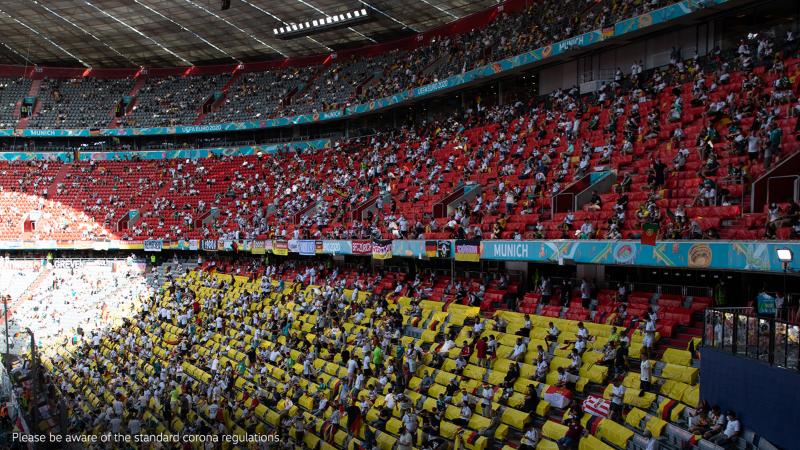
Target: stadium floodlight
344,19
785,255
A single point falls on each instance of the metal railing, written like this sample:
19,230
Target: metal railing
674,289
742,332
794,189
741,197
554,201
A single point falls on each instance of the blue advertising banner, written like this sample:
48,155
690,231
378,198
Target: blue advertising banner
760,255
338,247
307,248
659,16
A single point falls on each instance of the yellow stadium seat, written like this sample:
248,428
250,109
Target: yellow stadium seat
477,421
542,408
553,430
387,442
615,433
593,372
474,372
448,430
394,426
515,418
674,389
544,444
634,417
435,390
501,432
592,443
311,439
683,374
429,335
691,396
632,398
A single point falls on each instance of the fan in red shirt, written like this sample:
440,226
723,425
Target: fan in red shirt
481,348
573,434
466,351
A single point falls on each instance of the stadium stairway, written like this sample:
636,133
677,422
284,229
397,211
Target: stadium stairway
24,291
147,205
135,89
20,292
159,278
62,173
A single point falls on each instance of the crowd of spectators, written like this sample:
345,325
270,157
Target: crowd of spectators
317,354
688,141
70,303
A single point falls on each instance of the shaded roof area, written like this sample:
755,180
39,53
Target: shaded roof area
159,33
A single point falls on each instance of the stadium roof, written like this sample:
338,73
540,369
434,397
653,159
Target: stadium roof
153,33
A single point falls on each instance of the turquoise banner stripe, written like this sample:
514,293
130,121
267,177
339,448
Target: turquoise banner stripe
171,154
730,255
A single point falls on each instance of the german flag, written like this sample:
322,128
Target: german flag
668,409
430,248
722,123
415,321
471,438
478,98
601,318
593,423
16,335
433,326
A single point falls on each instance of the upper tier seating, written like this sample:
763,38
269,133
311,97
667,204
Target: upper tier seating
78,103
12,91
173,101
652,128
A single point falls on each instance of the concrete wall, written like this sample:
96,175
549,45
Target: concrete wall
469,196
654,52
